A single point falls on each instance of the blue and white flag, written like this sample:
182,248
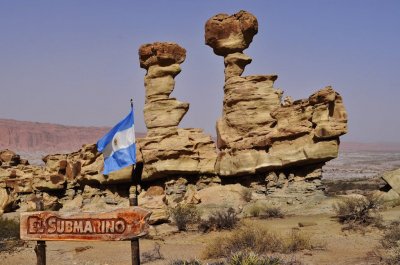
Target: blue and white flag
118,145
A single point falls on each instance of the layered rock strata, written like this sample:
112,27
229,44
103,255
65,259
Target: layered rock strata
167,149
257,131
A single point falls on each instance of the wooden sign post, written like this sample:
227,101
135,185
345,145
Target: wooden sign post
120,224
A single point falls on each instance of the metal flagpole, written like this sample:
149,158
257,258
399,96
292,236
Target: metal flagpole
133,201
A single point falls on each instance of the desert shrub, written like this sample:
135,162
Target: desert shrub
258,240
391,237
184,215
9,235
9,229
359,211
255,210
185,262
246,194
219,220
152,255
297,241
251,258
272,212
389,252
264,211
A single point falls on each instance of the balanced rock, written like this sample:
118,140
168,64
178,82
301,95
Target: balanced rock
228,34
257,131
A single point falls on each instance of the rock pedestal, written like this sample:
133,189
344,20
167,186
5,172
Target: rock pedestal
257,131
167,149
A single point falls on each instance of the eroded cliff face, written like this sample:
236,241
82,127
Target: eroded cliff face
258,132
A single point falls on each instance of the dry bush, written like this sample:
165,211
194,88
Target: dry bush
272,212
246,194
359,211
184,215
264,211
257,239
389,253
9,234
220,220
251,258
185,262
152,255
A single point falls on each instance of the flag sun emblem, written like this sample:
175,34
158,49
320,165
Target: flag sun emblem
115,142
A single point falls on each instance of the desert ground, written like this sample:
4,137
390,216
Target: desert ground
331,244
334,246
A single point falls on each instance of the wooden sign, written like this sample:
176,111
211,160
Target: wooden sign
121,224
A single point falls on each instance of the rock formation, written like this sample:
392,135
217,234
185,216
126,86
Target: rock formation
279,146
257,131
167,149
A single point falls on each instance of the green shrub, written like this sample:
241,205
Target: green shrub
359,211
184,215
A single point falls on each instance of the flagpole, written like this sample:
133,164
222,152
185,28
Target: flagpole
137,170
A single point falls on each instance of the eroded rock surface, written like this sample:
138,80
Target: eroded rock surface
258,131
167,149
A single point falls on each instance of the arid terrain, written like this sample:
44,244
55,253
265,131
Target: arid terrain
332,244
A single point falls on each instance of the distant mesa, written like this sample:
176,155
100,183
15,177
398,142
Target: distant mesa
26,136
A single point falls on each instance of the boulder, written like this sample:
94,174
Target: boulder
230,33
157,205
393,179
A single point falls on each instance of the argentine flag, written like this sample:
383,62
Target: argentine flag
118,145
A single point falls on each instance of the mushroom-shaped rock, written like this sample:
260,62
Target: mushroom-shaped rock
229,34
161,53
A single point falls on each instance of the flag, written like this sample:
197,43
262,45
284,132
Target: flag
118,145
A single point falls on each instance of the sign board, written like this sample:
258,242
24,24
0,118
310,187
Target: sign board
120,224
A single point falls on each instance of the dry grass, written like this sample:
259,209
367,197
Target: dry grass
9,235
183,215
225,219
259,240
152,255
251,258
246,194
362,211
389,252
264,211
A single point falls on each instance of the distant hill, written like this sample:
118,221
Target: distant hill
373,147
28,137
32,137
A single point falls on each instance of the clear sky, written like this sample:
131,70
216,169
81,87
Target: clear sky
76,63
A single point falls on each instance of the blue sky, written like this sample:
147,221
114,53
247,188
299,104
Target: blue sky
76,63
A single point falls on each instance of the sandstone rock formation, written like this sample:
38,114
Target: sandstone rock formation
271,147
257,131
167,149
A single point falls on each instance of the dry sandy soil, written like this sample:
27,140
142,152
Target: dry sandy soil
340,247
